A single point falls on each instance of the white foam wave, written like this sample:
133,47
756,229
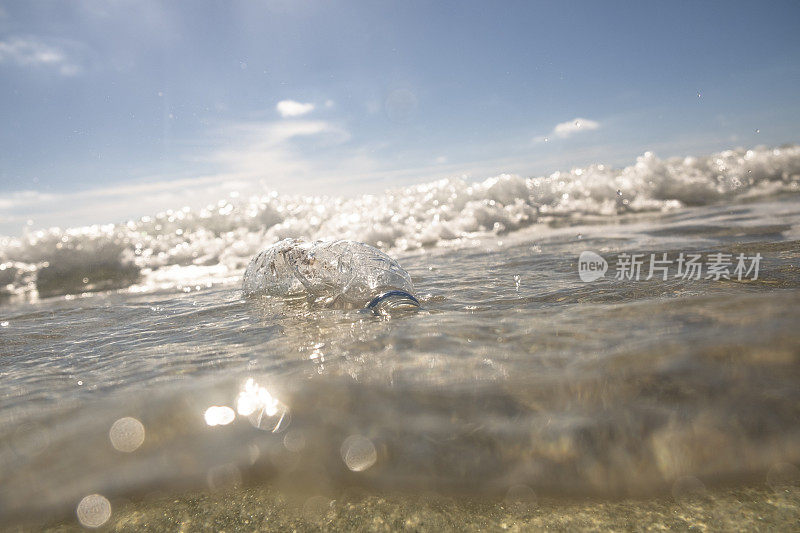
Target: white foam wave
187,248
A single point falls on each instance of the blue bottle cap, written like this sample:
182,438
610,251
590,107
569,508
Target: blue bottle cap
388,294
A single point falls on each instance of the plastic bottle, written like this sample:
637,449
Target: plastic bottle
347,273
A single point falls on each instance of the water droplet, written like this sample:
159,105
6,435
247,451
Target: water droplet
358,453
758,131
94,510
294,441
126,434
29,441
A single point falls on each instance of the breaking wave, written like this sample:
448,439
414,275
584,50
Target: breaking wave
186,248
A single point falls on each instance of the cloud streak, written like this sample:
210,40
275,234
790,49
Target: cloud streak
29,52
259,149
292,108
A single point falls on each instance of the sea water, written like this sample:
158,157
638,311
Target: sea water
131,363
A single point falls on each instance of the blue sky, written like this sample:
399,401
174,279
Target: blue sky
179,101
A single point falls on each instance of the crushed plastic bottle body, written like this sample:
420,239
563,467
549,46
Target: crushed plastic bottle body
348,273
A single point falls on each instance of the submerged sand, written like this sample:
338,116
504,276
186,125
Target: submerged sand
262,509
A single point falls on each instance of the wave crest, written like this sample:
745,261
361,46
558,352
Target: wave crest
183,247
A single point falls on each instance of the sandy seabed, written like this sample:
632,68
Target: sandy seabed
260,509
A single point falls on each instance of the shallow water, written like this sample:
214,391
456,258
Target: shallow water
516,375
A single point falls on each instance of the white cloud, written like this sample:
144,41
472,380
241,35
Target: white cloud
568,129
291,108
31,52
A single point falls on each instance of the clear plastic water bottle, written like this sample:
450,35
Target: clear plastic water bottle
345,273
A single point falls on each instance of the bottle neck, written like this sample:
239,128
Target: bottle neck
392,301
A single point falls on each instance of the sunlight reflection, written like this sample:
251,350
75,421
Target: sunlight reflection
262,409
219,415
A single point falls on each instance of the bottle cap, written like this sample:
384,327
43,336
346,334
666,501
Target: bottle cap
399,295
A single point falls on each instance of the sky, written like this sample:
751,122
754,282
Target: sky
120,108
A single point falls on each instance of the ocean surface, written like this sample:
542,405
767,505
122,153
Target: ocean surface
131,364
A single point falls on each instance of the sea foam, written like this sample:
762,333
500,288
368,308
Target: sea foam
185,248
